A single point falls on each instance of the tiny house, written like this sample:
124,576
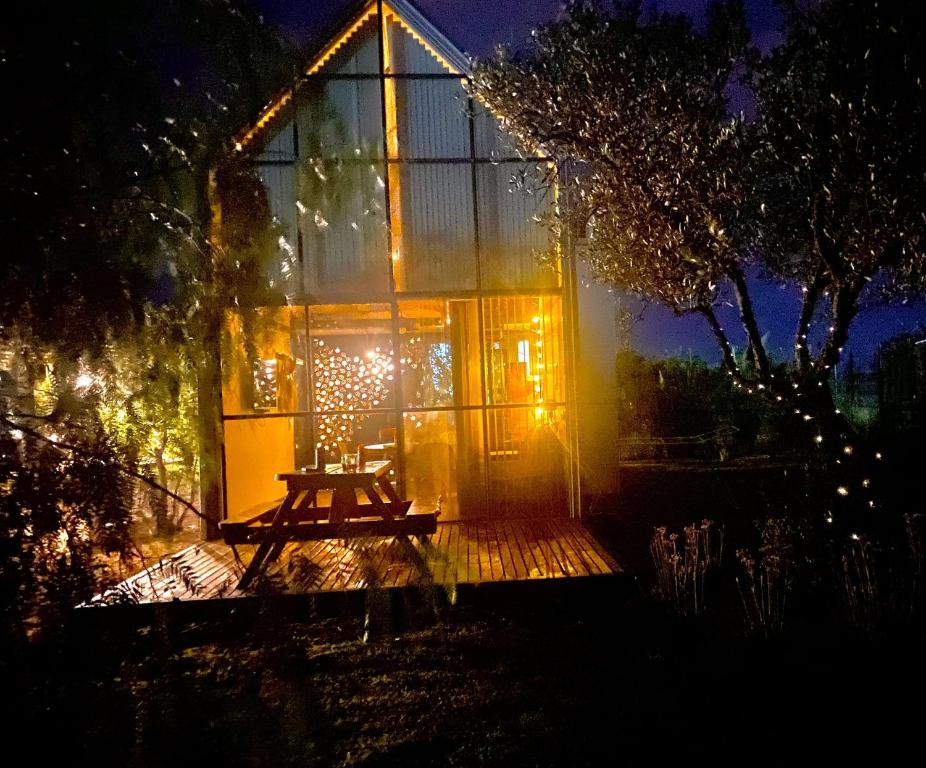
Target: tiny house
418,321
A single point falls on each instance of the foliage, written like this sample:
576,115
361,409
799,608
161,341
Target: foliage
688,205
114,285
640,110
675,397
59,510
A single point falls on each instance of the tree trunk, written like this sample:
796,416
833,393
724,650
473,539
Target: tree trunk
162,521
210,432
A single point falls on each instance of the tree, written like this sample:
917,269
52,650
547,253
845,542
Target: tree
688,205
114,288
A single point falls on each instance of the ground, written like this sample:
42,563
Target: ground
553,682
587,676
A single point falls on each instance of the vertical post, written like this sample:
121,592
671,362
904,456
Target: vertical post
300,239
570,314
480,301
391,140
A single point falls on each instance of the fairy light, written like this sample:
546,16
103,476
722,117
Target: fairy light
265,384
84,381
842,490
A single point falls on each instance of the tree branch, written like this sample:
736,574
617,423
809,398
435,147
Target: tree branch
809,305
721,336
821,241
844,310
748,319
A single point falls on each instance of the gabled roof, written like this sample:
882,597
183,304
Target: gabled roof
411,19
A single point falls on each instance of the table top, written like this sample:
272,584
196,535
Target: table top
366,472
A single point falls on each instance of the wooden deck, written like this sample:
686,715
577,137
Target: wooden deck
461,552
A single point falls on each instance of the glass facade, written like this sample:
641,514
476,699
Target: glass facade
422,326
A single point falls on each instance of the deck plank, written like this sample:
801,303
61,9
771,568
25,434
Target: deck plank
508,570
594,545
504,556
460,552
460,549
439,557
577,564
517,556
578,535
487,553
567,562
567,531
472,554
542,556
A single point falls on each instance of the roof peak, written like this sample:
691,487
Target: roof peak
408,16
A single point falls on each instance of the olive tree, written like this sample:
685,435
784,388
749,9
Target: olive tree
686,204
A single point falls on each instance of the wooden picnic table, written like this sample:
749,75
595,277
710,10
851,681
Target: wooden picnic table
299,516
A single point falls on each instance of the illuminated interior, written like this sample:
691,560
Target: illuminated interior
419,323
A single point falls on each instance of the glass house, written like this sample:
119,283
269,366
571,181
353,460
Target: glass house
418,320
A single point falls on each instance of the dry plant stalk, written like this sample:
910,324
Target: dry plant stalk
881,586
764,582
681,571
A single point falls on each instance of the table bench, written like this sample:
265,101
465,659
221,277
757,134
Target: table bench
300,518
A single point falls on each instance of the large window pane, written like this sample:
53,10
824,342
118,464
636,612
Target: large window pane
353,366
512,201
435,228
342,430
343,221
524,350
432,119
440,353
527,461
264,361
444,462
340,119
255,450
279,182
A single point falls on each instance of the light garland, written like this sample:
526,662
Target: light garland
265,384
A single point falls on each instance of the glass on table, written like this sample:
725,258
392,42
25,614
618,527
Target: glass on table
350,462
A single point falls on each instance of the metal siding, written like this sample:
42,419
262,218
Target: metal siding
280,147
359,55
509,233
492,141
438,237
279,181
410,56
432,119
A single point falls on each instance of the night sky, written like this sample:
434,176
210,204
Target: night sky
476,26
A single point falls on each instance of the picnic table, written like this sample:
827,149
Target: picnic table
300,518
